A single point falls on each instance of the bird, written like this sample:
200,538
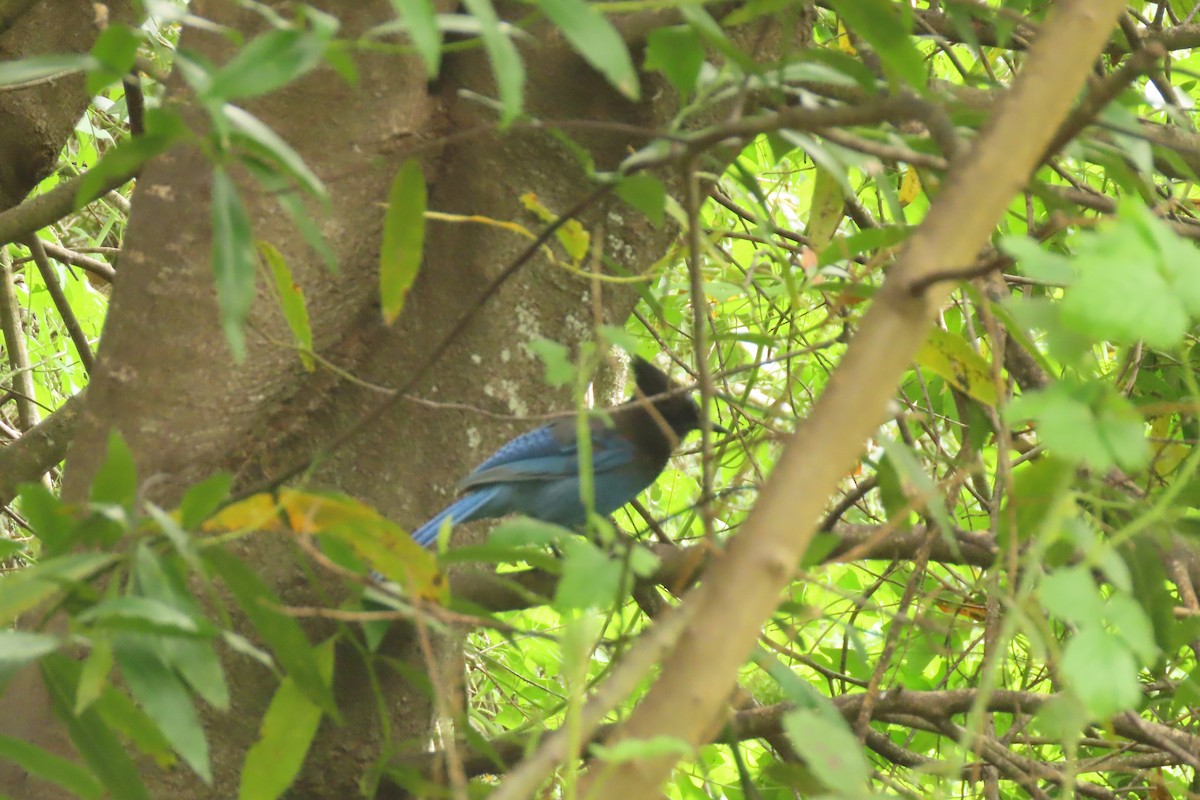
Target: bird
537,473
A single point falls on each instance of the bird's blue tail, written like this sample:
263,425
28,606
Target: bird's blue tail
464,509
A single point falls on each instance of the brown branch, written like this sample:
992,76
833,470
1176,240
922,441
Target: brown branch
38,449
70,321
743,587
14,343
46,209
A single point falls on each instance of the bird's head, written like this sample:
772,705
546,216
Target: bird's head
678,410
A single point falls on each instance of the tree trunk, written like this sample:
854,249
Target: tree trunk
166,381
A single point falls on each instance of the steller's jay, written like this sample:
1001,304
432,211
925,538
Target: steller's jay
537,473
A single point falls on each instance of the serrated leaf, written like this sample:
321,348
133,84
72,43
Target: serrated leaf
291,301
1071,595
590,579
403,239
595,38
830,751
1108,691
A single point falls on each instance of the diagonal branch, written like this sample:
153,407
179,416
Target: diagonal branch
743,587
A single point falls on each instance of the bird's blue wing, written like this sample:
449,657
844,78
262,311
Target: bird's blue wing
551,452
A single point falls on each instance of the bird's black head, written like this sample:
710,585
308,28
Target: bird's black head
678,410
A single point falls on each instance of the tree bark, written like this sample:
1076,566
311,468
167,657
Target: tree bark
164,377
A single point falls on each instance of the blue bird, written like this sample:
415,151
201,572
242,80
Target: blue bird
537,473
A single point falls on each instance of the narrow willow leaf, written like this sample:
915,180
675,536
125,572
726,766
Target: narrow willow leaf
232,260
269,62
49,767
403,239
506,61
291,300
420,20
887,27
280,632
40,68
595,38
288,728
94,739
264,142
163,696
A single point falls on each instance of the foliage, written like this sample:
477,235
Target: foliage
1003,598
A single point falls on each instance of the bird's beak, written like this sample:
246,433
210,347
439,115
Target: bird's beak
715,428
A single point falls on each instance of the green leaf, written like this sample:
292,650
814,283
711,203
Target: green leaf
678,54
1131,622
203,499
590,579
42,68
21,647
115,51
291,301
595,38
420,20
232,260
145,615
645,193
309,229
557,358
269,62
506,61
288,728
887,27
93,678
116,479
403,239
635,749
830,750
258,138
1099,668
1090,423
163,129
53,524
92,737
27,588
1071,595
165,699
45,765
869,240
280,632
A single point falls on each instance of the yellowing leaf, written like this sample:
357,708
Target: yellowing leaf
571,234
910,186
403,239
291,300
380,542
843,40
826,210
953,359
